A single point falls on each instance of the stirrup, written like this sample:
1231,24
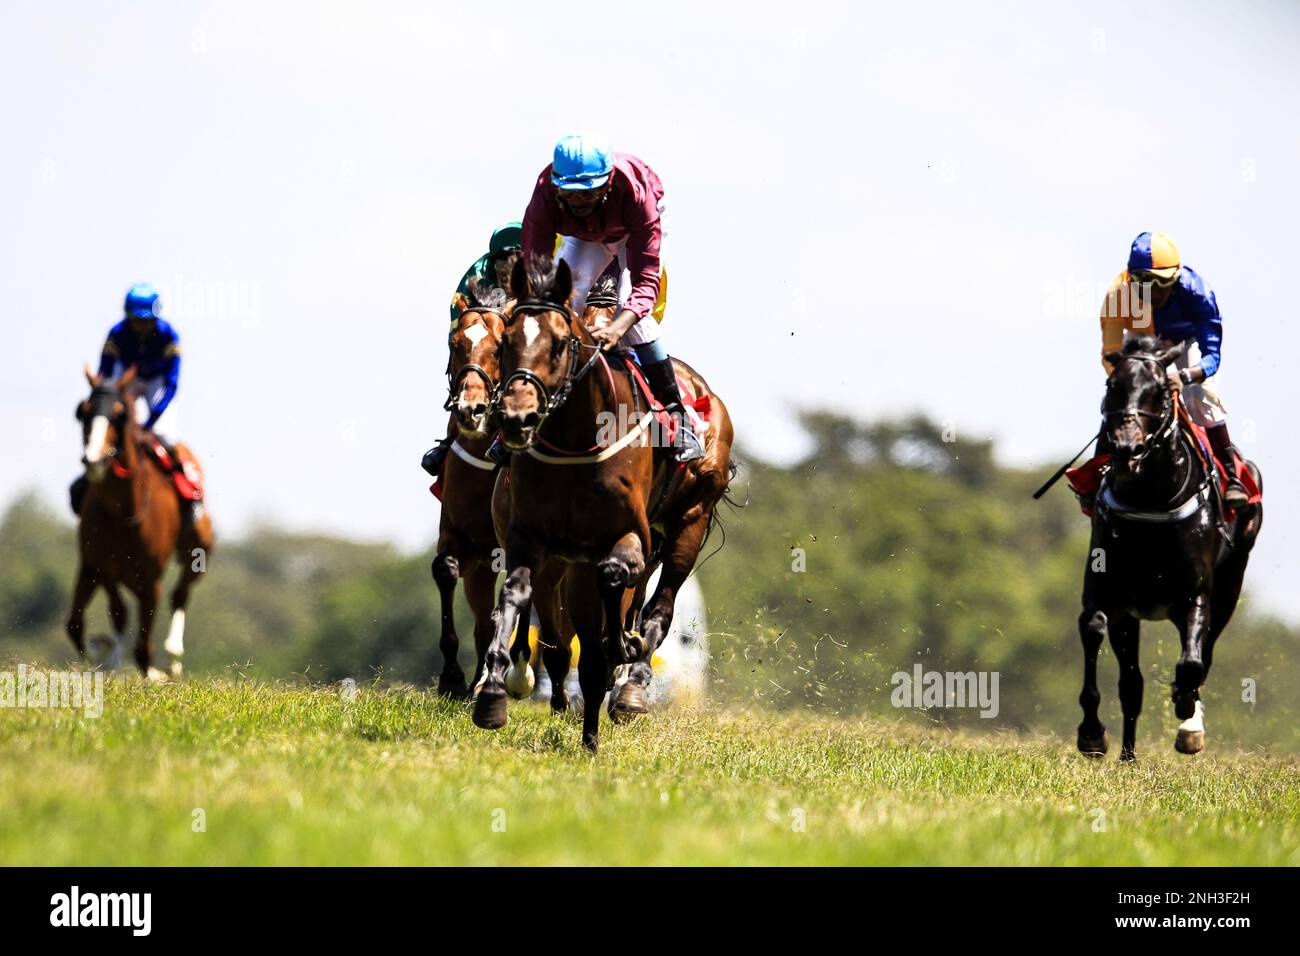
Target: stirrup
1235,495
691,447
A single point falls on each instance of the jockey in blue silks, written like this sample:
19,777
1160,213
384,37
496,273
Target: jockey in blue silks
148,342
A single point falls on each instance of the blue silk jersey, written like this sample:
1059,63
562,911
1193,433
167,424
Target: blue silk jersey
1191,313
156,355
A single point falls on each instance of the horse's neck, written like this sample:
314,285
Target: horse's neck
1166,475
576,424
133,486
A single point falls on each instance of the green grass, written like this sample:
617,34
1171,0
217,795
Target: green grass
294,775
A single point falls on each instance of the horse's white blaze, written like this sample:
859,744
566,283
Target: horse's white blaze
175,643
476,334
95,443
1194,724
531,330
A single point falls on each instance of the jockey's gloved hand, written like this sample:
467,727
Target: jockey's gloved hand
1192,376
1176,379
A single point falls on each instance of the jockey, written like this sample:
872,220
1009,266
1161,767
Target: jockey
606,208
1158,295
148,342
493,268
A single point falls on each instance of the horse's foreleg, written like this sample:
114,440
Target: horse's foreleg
148,598
174,645
520,677
446,571
615,574
480,593
583,604
516,593
1092,732
82,592
1189,675
1124,633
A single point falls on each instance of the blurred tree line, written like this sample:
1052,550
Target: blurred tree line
891,544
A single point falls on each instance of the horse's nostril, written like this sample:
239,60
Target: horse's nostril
530,420
479,409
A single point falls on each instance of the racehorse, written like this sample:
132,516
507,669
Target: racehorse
466,538
131,525
1158,550
588,500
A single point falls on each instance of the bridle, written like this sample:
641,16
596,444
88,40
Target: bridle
100,396
1167,417
574,373
456,381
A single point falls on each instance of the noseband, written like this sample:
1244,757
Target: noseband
457,381
573,374
1167,416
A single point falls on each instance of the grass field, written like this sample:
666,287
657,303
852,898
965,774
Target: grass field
285,774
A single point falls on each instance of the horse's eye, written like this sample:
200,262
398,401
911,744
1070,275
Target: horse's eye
558,346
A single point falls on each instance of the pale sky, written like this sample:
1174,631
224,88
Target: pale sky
931,197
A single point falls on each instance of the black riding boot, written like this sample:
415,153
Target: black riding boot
662,379
77,493
435,456
1235,496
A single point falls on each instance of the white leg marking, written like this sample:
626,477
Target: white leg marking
175,643
1194,724
520,679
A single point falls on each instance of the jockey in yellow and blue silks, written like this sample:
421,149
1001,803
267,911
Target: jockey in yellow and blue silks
1158,295
148,342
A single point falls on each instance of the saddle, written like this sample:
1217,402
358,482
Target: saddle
698,407
187,479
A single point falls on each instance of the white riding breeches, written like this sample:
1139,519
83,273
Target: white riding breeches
151,391
588,262
1202,400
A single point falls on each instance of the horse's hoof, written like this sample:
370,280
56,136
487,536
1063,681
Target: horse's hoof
490,710
1191,732
1127,756
453,686
156,676
520,681
177,671
628,703
1095,747
560,703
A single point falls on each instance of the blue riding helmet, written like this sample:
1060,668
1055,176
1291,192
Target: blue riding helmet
582,161
142,302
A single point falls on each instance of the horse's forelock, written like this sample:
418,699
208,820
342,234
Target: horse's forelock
541,271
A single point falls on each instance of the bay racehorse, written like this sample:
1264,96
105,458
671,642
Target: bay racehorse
587,497
467,547
1159,550
132,525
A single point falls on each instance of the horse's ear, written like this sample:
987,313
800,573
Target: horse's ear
519,280
563,287
91,377
1112,358
1173,353
126,378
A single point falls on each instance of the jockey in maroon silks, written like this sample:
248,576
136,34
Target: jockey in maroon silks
606,208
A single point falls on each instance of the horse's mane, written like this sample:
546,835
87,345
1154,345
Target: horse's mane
541,274
1141,344
486,295
606,285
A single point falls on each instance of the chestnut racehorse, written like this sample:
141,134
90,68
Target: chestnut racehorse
131,526
589,501
467,543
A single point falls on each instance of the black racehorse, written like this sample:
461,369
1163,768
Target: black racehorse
1160,549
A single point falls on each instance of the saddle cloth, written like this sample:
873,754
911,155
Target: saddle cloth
188,479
